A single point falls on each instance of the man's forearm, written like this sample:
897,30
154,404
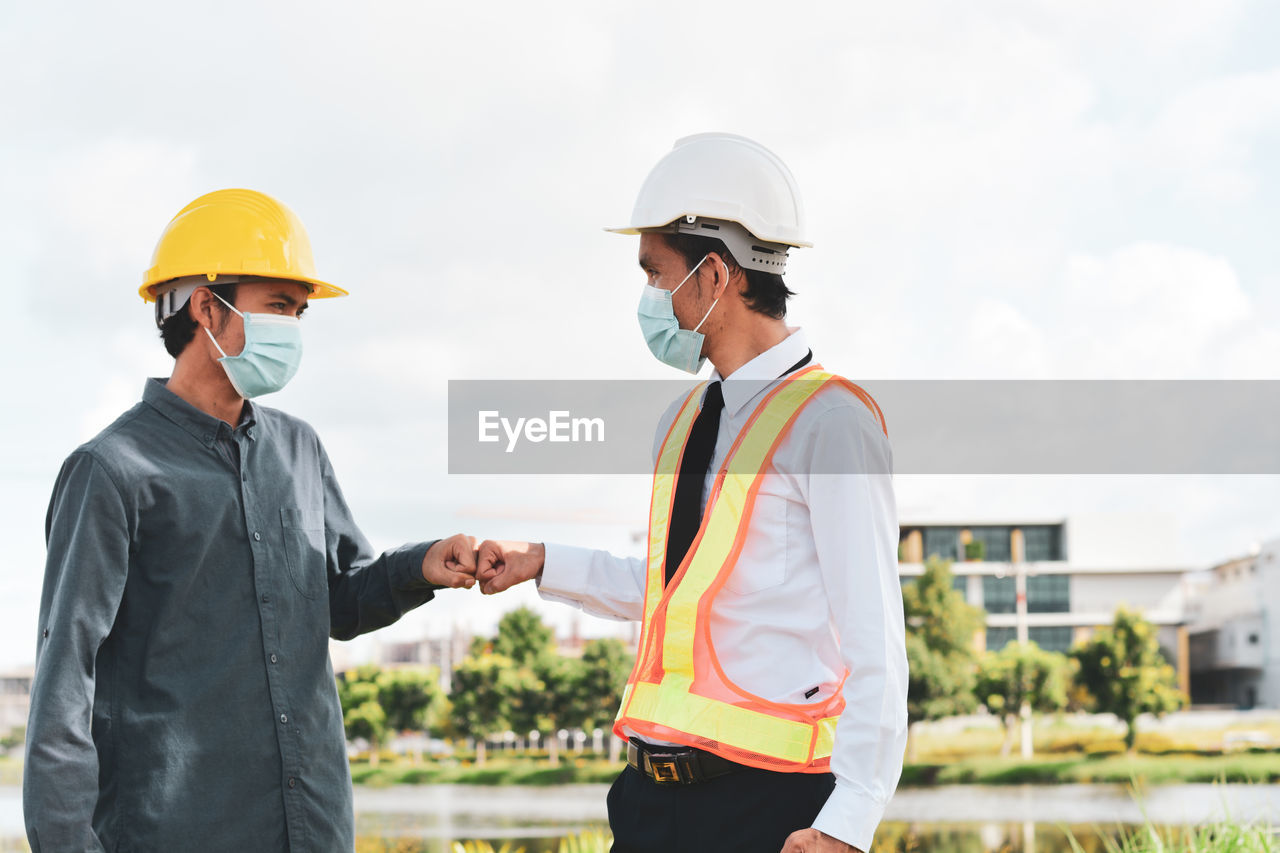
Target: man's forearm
378,593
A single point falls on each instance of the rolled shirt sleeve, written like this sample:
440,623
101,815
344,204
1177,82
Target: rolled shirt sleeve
854,518
87,532
596,581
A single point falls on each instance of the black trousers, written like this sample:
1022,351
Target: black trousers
751,811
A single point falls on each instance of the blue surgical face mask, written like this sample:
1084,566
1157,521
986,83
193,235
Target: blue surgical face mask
670,344
271,354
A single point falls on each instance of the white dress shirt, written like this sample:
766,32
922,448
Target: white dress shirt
815,588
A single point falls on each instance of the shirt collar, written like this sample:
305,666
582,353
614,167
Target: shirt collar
753,377
202,425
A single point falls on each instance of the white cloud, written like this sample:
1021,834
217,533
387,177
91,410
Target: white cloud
1001,342
1149,310
1209,135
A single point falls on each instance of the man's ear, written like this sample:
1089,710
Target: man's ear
201,310
722,272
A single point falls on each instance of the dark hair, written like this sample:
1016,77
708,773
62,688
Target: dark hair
178,329
766,292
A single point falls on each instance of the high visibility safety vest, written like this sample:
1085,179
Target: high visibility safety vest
678,691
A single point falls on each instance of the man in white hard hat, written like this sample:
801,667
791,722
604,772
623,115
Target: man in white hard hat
200,556
767,707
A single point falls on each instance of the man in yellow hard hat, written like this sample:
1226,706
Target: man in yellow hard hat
767,708
200,555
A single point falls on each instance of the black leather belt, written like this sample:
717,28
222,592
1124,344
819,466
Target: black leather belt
677,765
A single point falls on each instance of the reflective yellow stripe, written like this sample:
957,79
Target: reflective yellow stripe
664,477
664,481
826,737
721,722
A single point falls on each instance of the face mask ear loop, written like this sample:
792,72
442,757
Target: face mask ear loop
714,301
215,342
690,275
226,303
209,333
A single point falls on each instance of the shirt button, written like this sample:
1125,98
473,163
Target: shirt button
292,782
257,537
46,632
273,658
265,598
284,718
208,437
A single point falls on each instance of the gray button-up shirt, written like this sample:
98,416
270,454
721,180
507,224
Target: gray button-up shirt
183,696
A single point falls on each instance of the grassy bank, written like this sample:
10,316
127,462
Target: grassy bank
983,770
498,771
1057,770
1046,770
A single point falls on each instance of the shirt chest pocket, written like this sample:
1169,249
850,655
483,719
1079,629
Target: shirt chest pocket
304,549
762,564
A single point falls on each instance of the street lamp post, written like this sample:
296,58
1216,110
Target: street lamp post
1018,553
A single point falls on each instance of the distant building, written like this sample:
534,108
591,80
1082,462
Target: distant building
1235,641
1079,569
444,653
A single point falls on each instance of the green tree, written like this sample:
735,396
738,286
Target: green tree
544,693
16,737
543,699
940,629
1125,674
605,668
362,713
409,696
1021,673
481,697
523,637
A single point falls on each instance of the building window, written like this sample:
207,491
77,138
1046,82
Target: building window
942,542
1049,594
999,595
998,638
1051,639
995,543
1055,639
1043,542
960,583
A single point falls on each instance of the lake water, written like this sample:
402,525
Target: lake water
951,819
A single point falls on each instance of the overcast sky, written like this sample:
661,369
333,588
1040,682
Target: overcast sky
1030,189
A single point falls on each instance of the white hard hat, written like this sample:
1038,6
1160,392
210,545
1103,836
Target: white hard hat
729,187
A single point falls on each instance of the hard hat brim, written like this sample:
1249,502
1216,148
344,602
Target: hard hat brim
319,289
631,230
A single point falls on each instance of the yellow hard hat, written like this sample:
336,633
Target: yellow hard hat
235,233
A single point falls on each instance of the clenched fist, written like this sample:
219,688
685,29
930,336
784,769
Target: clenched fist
814,841
451,562
502,565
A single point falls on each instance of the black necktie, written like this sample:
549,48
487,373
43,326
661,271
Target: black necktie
686,509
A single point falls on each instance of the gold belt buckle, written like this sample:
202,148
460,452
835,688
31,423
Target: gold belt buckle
665,770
